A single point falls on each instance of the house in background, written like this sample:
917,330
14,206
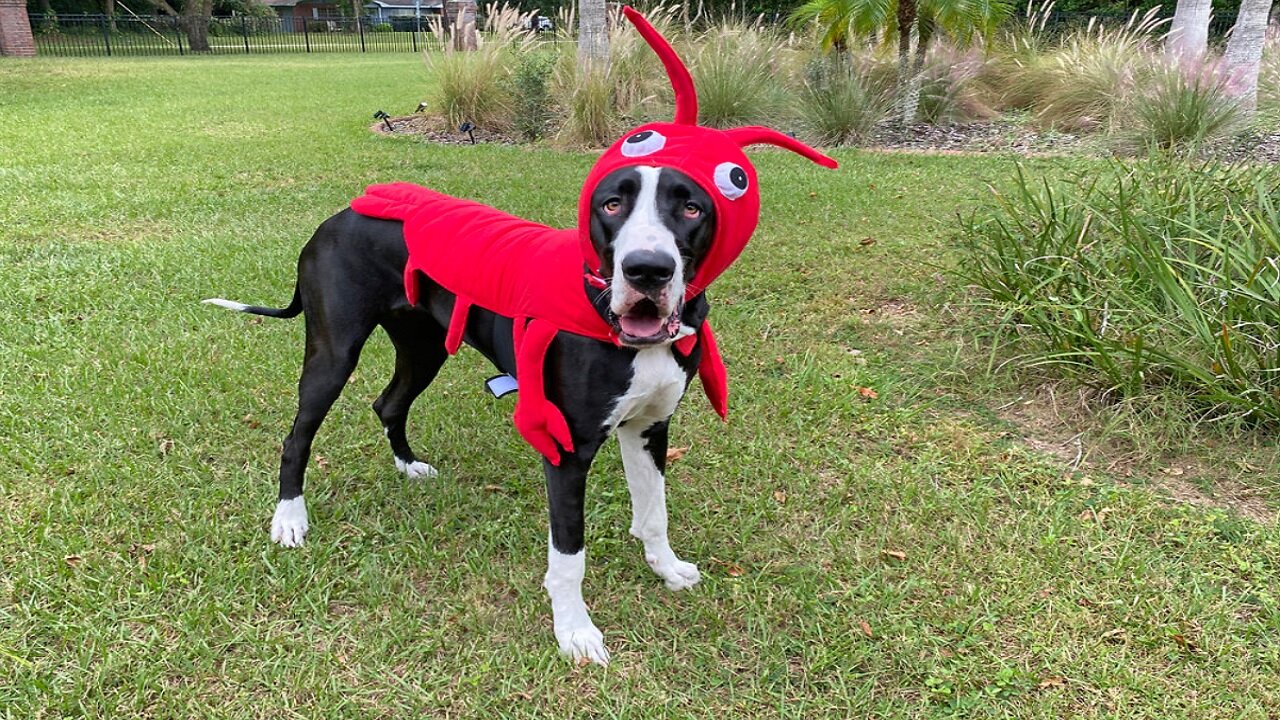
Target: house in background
399,12
294,14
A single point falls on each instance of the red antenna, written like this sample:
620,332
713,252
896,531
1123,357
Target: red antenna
755,135
681,81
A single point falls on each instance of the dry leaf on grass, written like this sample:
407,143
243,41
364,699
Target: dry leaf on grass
895,554
868,393
1116,634
675,453
866,627
1053,681
780,496
730,569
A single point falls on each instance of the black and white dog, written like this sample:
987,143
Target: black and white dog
651,226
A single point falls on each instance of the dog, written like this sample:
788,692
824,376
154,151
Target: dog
664,211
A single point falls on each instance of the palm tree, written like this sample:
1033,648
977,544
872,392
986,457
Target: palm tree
1188,37
911,22
1244,51
593,35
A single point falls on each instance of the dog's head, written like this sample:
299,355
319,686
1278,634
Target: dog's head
669,207
651,228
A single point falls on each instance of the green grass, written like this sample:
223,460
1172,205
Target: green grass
141,430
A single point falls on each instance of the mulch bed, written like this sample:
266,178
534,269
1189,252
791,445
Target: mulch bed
998,136
428,127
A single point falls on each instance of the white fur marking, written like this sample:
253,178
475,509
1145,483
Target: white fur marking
228,304
657,383
577,636
649,511
289,524
644,230
416,469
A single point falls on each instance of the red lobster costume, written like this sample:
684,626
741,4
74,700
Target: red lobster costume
537,275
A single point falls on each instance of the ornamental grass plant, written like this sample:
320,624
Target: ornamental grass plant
1151,276
739,71
473,85
838,104
1180,108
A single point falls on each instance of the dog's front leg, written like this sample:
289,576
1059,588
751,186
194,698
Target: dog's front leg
567,560
644,457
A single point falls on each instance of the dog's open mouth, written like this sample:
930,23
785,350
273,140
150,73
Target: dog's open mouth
642,325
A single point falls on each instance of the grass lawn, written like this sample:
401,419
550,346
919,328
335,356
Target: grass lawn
896,556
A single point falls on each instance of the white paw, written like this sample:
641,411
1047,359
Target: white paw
416,469
678,574
289,524
584,642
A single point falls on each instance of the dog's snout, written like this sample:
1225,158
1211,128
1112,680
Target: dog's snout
648,269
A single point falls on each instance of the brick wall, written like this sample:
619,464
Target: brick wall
15,29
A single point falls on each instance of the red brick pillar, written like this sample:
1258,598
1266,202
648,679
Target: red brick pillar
15,29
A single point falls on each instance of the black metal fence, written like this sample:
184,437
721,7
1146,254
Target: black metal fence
102,35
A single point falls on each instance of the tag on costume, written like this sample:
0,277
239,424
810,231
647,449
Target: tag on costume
501,385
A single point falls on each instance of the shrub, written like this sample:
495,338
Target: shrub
1182,107
48,24
531,94
1153,276
470,85
949,91
736,70
591,116
473,84
1083,83
837,104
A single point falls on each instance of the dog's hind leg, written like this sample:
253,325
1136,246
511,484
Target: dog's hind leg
331,356
644,457
420,353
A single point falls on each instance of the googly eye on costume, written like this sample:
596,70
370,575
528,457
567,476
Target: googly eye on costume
731,180
645,142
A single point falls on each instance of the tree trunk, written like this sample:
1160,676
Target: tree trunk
461,24
906,103
109,9
1244,51
593,35
195,21
1188,37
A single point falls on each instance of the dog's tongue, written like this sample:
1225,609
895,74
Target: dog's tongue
640,327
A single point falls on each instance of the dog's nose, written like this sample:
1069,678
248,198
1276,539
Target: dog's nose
647,269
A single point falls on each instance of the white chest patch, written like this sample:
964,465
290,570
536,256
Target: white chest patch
657,382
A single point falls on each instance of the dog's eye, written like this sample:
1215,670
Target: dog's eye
731,180
612,206
692,211
645,142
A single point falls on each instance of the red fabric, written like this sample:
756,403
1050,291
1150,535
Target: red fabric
534,274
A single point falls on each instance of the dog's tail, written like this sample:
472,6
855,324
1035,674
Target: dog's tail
295,306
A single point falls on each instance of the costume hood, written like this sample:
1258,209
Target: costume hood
712,158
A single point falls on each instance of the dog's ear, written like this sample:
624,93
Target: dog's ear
755,135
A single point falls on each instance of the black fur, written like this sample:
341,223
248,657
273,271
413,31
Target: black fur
350,280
